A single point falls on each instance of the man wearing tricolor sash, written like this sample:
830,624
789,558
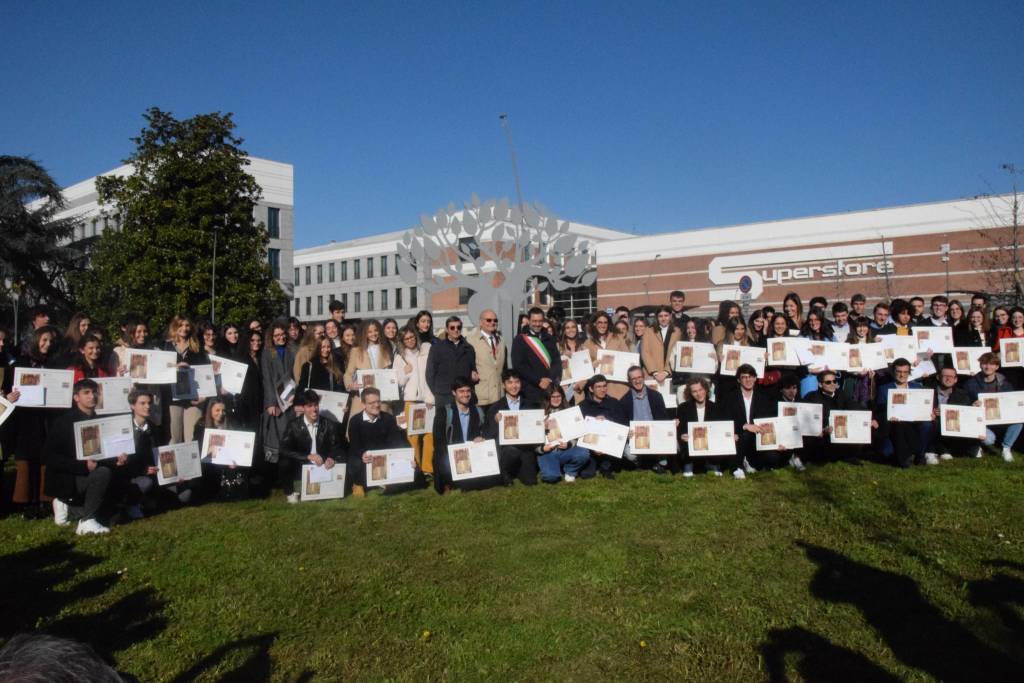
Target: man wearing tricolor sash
535,357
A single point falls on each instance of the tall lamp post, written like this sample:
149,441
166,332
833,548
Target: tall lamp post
213,279
944,250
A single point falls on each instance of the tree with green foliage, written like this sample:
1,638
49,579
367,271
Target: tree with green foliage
189,195
36,257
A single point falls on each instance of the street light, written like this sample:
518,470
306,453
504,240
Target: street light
944,251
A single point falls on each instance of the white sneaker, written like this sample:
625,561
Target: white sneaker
945,456
687,471
1007,454
292,498
931,459
91,526
568,477
134,512
797,464
738,474
977,453
715,470
748,468
60,512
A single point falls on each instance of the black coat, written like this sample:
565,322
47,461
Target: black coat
446,361
145,442
297,445
529,365
761,405
315,375
59,456
609,408
448,430
838,401
654,400
490,424
365,436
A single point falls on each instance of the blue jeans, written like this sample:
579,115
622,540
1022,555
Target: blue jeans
1009,436
574,459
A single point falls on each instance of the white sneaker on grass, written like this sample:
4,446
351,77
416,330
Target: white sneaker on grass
977,453
715,470
945,456
931,459
568,477
738,473
292,498
90,526
1007,454
60,512
688,470
797,464
748,468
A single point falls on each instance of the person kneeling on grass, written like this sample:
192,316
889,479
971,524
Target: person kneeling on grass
456,421
747,404
641,404
515,461
309,439
370,430
600,406
560,453
947,393
981,388
699,408
77,486
904,439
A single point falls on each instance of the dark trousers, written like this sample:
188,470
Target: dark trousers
906,442
518,462
92,488
766,460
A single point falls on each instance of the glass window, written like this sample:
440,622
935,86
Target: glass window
330,271
355,301
309,301
344,270
320,305
369,301
344,301
469,245
398,298
274,259
298,307
463,296
319,273
369,266
296,280
384,266
309,271
274,222
412,297
383,299
355,269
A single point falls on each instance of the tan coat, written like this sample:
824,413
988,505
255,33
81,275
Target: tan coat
359,359
615,343
654,356
489,367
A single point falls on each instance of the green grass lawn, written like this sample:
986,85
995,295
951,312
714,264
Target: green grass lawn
840,573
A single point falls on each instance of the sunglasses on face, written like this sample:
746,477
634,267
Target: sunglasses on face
828,381
490,320
455,327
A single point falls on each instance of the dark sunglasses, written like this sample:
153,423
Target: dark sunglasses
490,320
828,381
455,327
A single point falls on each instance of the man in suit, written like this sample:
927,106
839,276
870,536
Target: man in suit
457,421
448,358
746,404
659,343
535,357
515,461
370,430
309,439
490,359
642,404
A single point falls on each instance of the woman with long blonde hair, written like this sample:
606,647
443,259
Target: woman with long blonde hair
371,352
602,337
181,339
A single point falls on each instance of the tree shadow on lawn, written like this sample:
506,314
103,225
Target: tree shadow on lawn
1003,594
916,631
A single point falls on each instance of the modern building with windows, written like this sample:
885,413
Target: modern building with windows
276,210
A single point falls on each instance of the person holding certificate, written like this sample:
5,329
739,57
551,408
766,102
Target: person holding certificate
371,429
735,335
558,453
698,407
642,404
902,440
1015,331
310,439
515,461
30,427
601,406
829,397
371,352
411,370
745,405
535,357
457,421
948,393
276,365
229,483
659,343
601,337
184,413
987,382
789,392
139,475
80,486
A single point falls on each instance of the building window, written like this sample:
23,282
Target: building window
274,223
330,271
413,292
463,296
320,305
319,273
355,269
383,266
95,222
383,299
344,270
274,259
369,301
309,310
398,298
296,280
470,246
298,307
309,271
355,301
369,266
344,301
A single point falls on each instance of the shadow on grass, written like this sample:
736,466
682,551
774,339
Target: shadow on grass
256,667
818,659
916,631
1003,594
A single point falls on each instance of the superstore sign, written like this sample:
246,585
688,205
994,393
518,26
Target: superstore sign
796,265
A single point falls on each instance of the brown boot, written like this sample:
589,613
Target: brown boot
358,491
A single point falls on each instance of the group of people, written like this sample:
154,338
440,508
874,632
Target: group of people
469,379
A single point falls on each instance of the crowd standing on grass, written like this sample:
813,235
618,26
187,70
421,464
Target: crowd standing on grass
470,378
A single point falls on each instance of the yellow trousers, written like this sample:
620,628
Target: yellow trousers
422,444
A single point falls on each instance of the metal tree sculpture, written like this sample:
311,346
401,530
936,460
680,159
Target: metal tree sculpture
523,246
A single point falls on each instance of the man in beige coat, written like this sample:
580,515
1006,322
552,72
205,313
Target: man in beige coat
490,359
658,345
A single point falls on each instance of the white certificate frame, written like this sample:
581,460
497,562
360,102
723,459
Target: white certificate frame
785,352
229,374
333,404
568,425
58,385
934,339
520,427
236,442
112,397
150,366
621,362
384,379
745,355
391,464
964,422
310,491
719,436
810,416
473,460
1011,352
702,358
916,407
852,427
659,436
784,431
92,437
965,359
177,462
1010,408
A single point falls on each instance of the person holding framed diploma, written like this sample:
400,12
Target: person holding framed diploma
230,483
310,439
372,429
735,335
987,382
659,343
455,422
904,441
516,462
553,457
371,352
699,407
601,406
947,393
829,397
139,479
642,404
602,337
1014,329
411,370
184,414
30,425
745,405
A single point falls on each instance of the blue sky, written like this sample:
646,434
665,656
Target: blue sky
640,116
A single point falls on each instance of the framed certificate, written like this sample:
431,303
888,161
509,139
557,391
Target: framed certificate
319,483
394,466
421,419
965,422
733,356
193,383
695,357
471,460
520,427
965,359
899,346
227,447
923,368
862,357
146,366
711,438
6,410
934,339
104,437
1004,408
1011,352
577,368
808,416
785,351
779,432
823,354
112,395
333,404
177,462
614,364
565,425
605,436
384,380
850,426
229,374
44,388
656,437
910,405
